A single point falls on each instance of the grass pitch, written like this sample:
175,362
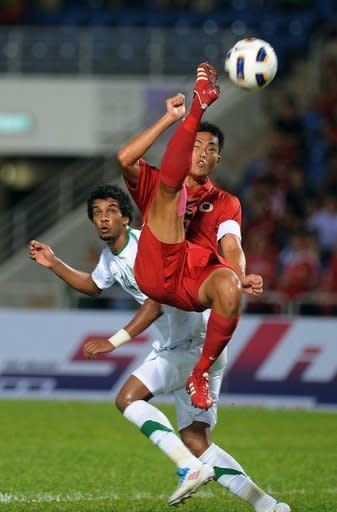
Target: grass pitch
72,456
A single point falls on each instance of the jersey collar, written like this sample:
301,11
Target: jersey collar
205,187
117,253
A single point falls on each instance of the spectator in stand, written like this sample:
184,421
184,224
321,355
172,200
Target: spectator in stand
260,224
329,281
289,122
50,5
329,181
285,145
12,12
300,266
330,126
297,200
329,285
297,193
262,259
327,99
261,253
264,208
267,166
324,222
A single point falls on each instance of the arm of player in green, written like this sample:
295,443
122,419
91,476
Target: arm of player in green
145,316
80,281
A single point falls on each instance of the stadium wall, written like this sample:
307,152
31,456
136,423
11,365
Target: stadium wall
273,362
94,116
44,116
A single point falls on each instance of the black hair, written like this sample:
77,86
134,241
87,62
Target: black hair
205,126
106,191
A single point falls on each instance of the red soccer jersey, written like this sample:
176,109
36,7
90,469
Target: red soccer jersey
208,206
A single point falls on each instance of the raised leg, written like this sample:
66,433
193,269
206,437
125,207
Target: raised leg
166,216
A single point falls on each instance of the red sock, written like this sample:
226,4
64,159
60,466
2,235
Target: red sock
218,334
177,158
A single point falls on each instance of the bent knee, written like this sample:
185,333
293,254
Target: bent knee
132,392
233,288
230,292
123,400
196,444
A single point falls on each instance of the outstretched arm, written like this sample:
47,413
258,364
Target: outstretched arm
233,253
144,317
81,281
130,154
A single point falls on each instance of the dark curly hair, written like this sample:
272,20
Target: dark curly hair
106,191
205,126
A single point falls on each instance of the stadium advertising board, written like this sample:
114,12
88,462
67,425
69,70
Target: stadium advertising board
272,361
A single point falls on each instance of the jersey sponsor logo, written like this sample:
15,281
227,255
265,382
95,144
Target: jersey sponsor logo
206,207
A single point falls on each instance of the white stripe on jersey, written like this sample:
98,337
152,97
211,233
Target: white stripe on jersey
229,227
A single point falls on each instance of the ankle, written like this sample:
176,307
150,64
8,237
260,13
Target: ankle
203,365
191,123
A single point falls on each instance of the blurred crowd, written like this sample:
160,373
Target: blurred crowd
289,198
32,11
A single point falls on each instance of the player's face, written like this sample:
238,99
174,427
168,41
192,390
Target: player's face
205,156
108,219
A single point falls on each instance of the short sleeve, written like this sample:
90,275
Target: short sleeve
229,218
148,180
102,275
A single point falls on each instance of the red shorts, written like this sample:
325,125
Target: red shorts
173,273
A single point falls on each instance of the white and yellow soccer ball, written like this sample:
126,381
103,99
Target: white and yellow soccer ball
251,64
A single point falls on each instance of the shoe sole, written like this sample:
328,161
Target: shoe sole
281,507
189,494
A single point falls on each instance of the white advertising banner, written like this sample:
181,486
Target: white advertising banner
271,360
41,353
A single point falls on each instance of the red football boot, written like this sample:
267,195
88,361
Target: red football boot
197,386
206,87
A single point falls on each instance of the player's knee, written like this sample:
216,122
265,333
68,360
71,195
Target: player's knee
230,293
123,400
196,444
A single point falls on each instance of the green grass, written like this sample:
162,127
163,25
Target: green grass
92,459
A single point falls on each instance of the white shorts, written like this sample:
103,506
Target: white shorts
167,370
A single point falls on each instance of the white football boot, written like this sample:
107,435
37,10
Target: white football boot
280,507
190,480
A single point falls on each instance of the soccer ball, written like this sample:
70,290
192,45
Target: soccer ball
251,64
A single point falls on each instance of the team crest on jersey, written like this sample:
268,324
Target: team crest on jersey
206,207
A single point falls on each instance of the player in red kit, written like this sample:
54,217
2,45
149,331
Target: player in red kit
169,268
211,213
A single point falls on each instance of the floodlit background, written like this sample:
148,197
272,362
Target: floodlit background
77,80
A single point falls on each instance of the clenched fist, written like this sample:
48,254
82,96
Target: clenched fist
94,347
